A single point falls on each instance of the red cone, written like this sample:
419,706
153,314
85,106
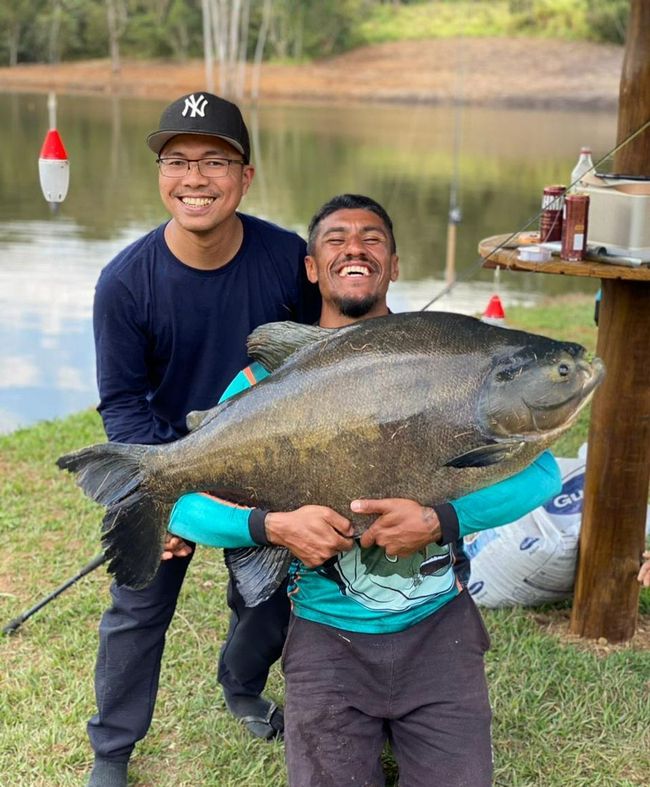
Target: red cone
53,146
494,312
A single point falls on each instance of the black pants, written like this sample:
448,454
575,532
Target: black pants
131,642
423,689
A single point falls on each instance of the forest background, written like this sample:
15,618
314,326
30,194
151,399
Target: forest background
231,33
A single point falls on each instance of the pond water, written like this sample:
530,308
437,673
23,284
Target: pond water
407,157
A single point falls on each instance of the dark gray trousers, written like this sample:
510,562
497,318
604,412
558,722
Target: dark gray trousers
422,689
131,643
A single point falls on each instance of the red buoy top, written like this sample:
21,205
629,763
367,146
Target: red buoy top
494,310
53,146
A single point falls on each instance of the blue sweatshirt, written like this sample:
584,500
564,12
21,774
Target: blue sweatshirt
169,338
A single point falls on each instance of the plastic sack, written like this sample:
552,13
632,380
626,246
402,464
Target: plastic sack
532,560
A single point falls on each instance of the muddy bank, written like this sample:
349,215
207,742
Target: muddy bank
490,72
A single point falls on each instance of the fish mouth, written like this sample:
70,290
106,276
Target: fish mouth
577,401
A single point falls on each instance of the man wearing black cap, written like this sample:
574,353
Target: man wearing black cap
171,315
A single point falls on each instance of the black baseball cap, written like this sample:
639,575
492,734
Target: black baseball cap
202,113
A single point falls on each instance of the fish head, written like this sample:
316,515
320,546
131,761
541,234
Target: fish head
536,390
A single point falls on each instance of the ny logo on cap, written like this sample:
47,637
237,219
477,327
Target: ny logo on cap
195,105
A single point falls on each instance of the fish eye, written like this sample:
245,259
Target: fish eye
563,369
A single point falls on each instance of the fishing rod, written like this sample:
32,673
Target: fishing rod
16,623
480,261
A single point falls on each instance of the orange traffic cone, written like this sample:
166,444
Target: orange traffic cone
494,312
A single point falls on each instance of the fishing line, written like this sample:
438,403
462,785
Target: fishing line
472,269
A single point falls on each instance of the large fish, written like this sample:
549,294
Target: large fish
423,405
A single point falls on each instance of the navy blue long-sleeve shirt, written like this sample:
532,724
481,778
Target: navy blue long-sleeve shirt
169,338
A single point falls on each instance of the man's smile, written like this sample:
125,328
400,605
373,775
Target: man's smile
354,268
197,202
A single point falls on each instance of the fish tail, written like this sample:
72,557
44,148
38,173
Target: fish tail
107,472
134,525
258,571
133,534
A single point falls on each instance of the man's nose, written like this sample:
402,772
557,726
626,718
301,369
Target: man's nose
194,172
354,246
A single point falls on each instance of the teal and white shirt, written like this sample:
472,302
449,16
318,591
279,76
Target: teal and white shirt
365,590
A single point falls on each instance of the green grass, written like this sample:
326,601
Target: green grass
564,714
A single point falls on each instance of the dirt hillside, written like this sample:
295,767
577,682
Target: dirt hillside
497,72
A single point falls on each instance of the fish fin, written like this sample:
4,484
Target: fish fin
197,418
107,472
133,534
134,525
485,455
273,343
258,571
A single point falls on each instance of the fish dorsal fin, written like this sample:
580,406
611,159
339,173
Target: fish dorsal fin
194,419
273,343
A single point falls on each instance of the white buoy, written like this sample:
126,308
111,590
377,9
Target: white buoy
54,168
53,164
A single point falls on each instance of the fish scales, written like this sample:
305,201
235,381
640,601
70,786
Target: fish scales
426,406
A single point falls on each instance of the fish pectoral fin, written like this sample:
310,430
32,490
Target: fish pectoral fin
258,571
273,343
486,455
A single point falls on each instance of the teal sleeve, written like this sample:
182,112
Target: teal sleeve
509,499
243,380
207,520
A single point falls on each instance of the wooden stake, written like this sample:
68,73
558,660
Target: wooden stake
612,535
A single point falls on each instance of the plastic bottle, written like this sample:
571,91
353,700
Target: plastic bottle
584,165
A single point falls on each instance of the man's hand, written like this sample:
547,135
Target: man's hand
402,527
175,547
313,534
644,573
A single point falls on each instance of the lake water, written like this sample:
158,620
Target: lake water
403,156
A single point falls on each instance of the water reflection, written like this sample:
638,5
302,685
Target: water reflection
402,156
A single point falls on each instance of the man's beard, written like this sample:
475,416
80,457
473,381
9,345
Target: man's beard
355,307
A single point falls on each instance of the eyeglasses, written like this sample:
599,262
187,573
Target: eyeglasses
208,167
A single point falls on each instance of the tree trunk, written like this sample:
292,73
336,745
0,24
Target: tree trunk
13,38
53,54
208,45
259,49
113,35
240,81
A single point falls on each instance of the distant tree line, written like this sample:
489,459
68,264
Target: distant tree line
233,31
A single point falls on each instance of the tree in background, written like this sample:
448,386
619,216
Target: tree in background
234,33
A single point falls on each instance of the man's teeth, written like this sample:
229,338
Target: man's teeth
197,202
354,270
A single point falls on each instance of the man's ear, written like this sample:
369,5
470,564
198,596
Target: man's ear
312,270
394,267
248,173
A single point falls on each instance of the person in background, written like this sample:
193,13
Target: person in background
385,642
644,572
171,316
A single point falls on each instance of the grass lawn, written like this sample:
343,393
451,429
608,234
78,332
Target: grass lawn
566,714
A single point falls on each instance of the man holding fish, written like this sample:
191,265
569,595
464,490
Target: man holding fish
171,316
385,642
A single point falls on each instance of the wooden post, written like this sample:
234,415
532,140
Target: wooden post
606,597
618,463
634,93
450,262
